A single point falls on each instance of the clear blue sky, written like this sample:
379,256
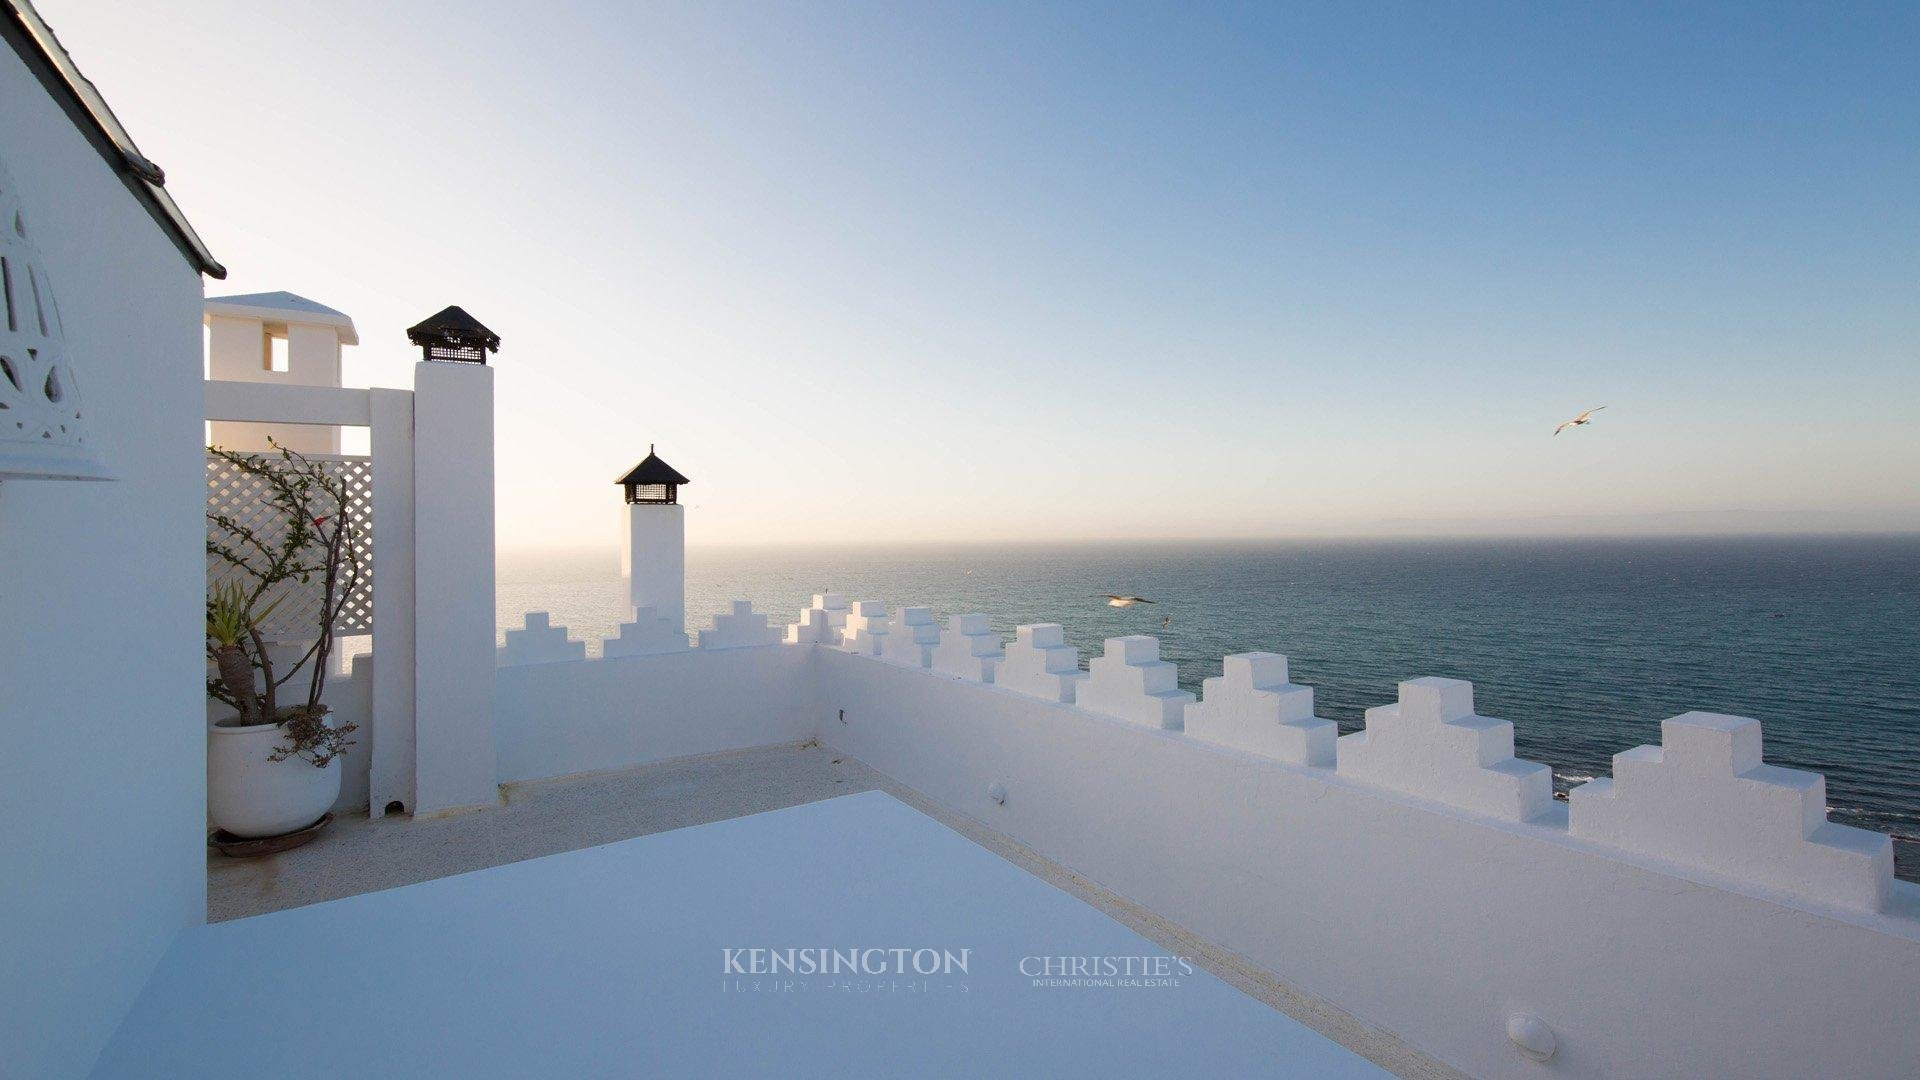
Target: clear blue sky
960,272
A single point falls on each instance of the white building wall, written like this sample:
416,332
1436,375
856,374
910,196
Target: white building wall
236,349
102,714
1432,922
313,356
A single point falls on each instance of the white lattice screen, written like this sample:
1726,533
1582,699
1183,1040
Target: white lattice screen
244,499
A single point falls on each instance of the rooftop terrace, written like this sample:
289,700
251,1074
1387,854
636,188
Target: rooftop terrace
361,855
860,778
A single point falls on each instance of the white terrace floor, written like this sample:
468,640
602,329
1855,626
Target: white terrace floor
360,856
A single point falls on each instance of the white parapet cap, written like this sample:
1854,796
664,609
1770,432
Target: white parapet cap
282,309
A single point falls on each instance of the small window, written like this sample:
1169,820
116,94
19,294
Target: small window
276,353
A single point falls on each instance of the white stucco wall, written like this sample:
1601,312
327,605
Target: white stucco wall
578,716
656,560
453,586
1432,922
102,715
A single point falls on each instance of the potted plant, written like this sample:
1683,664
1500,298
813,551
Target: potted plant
271,766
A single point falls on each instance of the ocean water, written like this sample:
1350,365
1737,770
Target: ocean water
1585,645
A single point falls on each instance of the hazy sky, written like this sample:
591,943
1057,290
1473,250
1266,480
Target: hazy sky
926,272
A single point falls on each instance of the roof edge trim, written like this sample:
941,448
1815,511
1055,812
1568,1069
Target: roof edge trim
34,41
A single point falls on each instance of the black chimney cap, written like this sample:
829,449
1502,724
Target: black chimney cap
653,481
652,470
454,335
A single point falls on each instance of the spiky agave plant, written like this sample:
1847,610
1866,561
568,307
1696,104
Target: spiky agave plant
229,629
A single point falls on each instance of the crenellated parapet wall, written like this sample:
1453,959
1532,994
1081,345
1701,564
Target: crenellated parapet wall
811,628
1432,744
1041,664
1435,906
537,641
1251,706
866,628
1430,883
1704,798
1703,802
739,628
821,622
911,638
1130,682
648,634
968,649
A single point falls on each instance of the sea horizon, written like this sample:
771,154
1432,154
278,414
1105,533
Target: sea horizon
610,548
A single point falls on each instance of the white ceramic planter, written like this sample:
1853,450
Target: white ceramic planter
250,796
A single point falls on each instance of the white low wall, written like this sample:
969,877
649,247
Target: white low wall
1431,922
577,716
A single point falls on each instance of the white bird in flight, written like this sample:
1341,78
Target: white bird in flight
1122,601
1582,420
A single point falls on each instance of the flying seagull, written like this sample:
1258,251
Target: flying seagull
1121,601
1582,420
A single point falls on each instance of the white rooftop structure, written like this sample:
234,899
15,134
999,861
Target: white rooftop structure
280,308
276,338
1411,891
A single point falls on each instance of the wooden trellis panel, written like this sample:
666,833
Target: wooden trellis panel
244,498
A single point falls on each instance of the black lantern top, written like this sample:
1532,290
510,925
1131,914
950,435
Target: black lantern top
653,481
454,335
